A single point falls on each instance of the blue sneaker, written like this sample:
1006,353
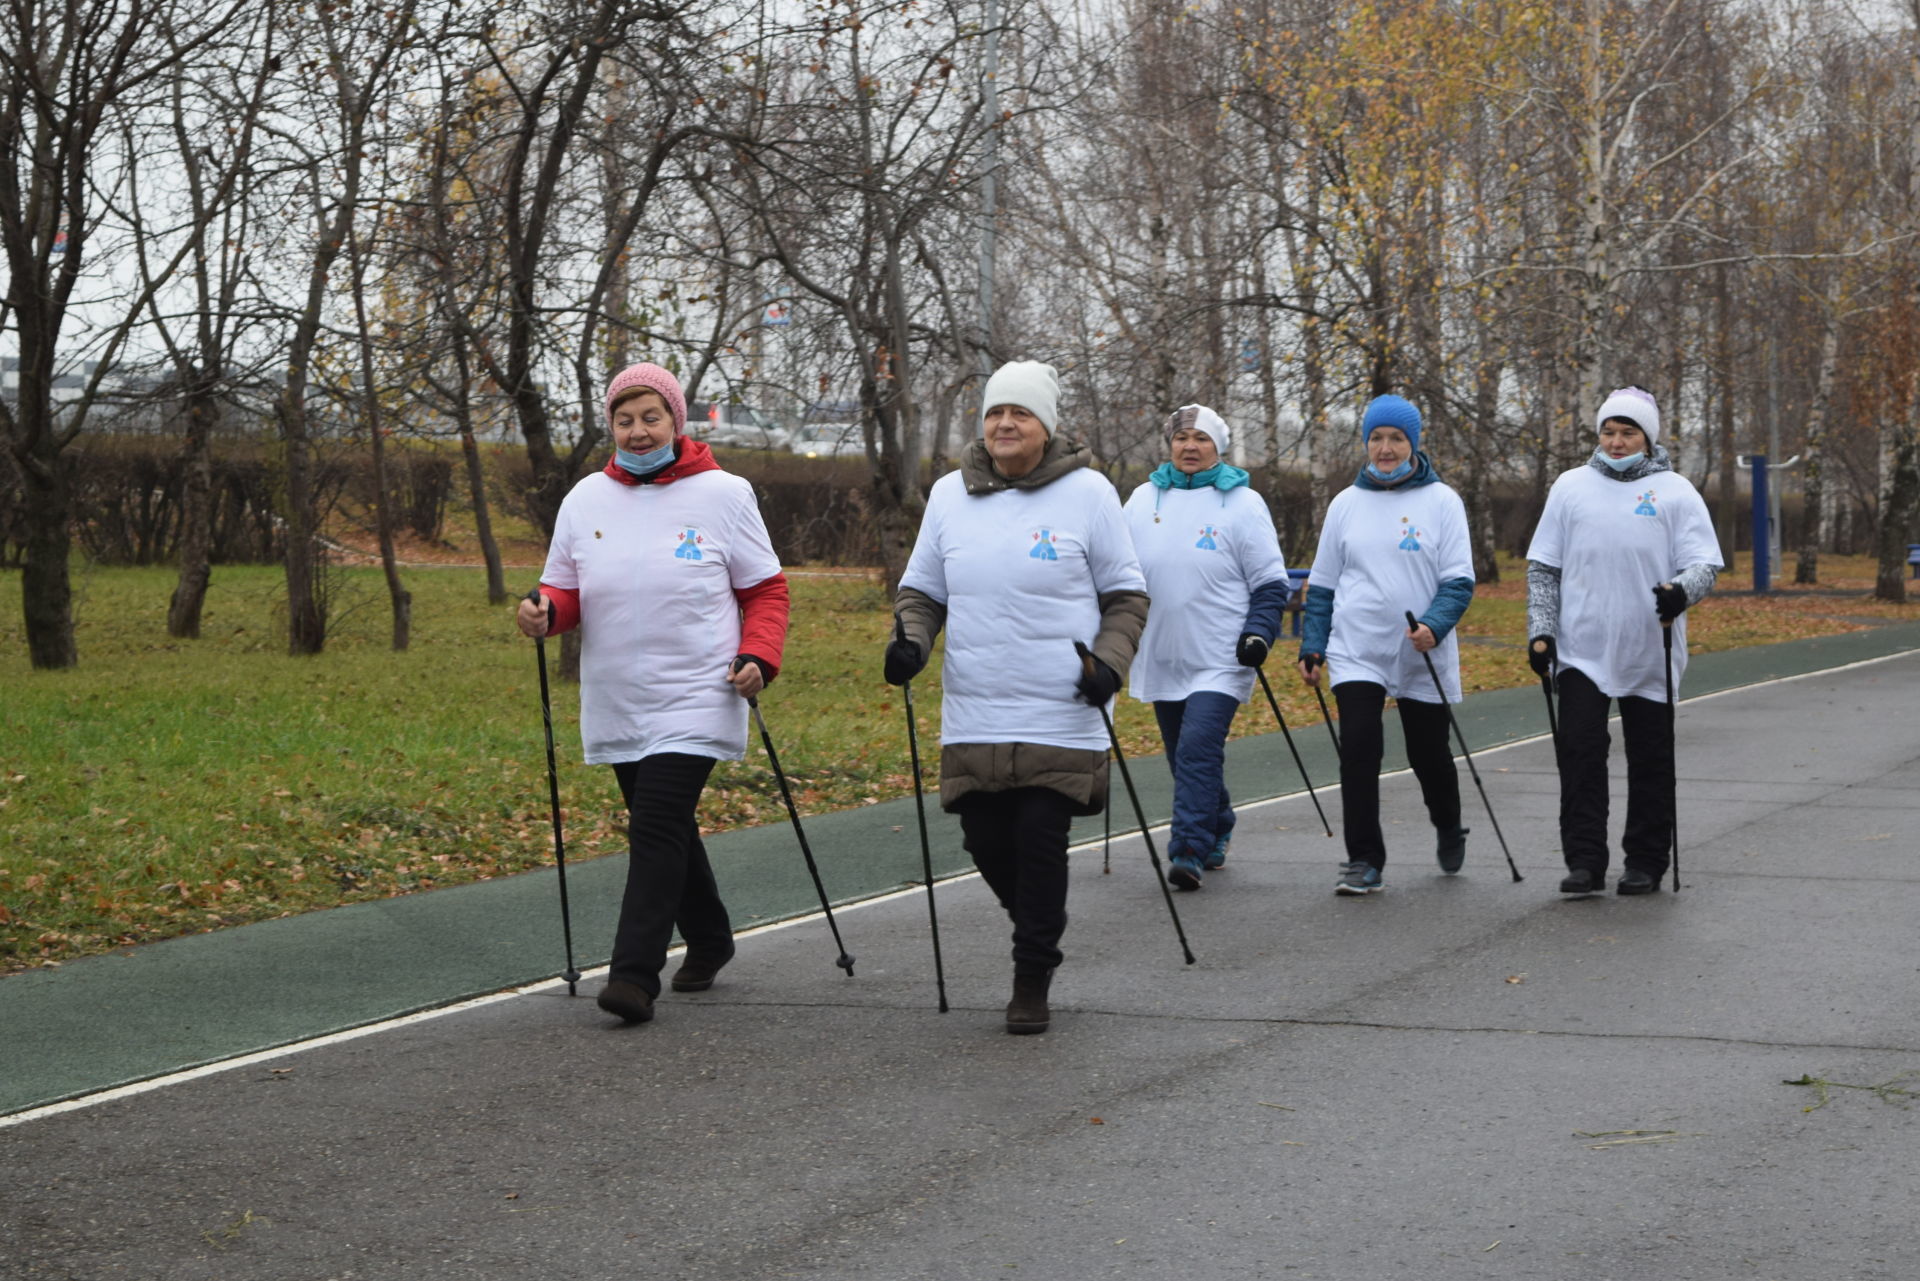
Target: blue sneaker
1359,878
1217,856
1185,872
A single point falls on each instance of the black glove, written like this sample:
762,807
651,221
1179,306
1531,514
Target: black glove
1098,683
904,661
1541,654
1669,601
1252,649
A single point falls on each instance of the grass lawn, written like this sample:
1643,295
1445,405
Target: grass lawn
166,787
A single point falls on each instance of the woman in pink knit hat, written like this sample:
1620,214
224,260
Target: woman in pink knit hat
662,561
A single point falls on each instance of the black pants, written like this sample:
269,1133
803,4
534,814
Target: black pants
1363,743
1018,839
1647,726
669,881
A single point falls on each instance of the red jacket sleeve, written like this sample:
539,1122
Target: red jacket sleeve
763,624
565,603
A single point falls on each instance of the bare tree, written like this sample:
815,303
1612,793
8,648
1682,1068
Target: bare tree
72,76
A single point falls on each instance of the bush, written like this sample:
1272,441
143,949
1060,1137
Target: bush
128,490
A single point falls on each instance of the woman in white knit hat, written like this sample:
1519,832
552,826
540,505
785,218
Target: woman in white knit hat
1022,552
1218,582
1623,547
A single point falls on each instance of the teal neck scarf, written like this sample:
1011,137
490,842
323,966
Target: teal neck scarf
1220,476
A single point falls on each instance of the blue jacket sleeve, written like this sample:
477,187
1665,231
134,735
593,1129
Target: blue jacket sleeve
1263,609
1316,620
1449,603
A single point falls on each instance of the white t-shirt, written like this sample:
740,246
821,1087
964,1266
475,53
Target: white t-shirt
656,567
1021,572
1203,556
1613,541
1384,552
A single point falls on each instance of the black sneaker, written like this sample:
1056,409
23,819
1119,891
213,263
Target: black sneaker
1633,881
1583,880
1359,878
1452,850
1184,874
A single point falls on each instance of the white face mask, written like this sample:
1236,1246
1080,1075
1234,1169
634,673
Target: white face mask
1621,464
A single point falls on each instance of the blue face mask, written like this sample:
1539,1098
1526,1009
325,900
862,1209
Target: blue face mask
1621,464
641,464
1388,477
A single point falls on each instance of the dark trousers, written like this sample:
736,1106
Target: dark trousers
669,881
1018,839
1647,726
1363,743
1195,733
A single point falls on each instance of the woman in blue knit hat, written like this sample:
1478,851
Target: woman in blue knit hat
1393,541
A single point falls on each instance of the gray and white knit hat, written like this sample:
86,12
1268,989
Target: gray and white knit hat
1199,416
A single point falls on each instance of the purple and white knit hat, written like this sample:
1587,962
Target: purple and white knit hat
1636,405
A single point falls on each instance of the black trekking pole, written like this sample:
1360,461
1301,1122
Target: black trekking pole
1546,687
1673,796
572,975
1412,624
1274,703
845,960
926,852
1106,840
1086,660
1326,718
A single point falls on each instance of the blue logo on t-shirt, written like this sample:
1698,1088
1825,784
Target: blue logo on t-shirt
689,548
1411,541
1043,546
1646,505
1206,542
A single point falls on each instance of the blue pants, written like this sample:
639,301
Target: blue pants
1195,732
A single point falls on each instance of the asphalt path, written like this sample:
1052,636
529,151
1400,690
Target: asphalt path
1460,1077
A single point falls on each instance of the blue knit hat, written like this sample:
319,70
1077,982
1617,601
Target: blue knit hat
1391,411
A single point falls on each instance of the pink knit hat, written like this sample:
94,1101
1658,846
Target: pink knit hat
652,378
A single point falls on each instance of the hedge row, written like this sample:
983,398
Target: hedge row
128,491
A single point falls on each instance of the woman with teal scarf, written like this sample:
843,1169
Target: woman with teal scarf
1217,581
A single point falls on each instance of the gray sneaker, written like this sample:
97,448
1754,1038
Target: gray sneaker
1359,878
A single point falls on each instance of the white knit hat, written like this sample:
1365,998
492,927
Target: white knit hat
1202,418
1636,405
1030,384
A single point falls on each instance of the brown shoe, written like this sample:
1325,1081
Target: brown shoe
696,972
627,1000
1027,1012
